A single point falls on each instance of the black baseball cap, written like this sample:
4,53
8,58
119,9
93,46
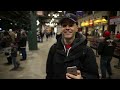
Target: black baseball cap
70,16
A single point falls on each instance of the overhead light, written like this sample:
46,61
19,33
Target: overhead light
48,14
59,11
40,13
58,14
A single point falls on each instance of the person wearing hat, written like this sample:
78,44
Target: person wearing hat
106,50
71,51
118,41
118,35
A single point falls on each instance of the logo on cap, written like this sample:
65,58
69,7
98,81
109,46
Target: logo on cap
68,15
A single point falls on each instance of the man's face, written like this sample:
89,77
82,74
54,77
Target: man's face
69,28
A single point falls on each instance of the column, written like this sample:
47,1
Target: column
32,35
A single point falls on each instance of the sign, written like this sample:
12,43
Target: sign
115,20
40,13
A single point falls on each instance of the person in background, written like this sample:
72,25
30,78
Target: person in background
118,41
18,40
58,35
41,35
14,55
23,41
108,45
6,42
12,34
71,50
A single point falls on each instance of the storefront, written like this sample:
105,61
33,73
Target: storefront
94,27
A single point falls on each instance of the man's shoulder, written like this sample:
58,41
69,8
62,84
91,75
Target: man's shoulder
86,48
53,46
89,48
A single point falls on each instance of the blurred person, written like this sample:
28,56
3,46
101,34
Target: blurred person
118,41
6,42
23,41
18,40
106,51
14,55
58,35
41,35
47,36
117,36
71,50
12,34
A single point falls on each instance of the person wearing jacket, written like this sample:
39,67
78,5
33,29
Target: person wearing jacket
68,51
23,41
106,50
14,56
118,41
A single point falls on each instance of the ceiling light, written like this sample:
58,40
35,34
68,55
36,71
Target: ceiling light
59,11
48,14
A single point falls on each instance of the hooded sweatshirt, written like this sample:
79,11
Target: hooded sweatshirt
62,58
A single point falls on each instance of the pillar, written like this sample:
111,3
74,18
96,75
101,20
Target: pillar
32,35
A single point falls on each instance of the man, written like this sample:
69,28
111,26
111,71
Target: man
23,42
71,50
106,50
14,55
118,49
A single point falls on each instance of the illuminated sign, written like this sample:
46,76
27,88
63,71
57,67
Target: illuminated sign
115,20
40,13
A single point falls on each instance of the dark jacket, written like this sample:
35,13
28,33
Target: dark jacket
104,49
23,41
6,41
58,61
14,51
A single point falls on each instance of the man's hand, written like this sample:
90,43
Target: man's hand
71,76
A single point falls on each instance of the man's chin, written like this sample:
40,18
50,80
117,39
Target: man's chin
68,37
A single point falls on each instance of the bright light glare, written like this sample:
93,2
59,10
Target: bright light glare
59,11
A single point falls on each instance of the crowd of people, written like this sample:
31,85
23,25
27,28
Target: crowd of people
13,42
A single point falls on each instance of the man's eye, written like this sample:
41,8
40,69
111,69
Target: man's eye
70,25
64,25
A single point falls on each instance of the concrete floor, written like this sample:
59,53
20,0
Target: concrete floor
35,65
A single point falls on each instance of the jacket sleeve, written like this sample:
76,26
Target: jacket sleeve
49,64
90,66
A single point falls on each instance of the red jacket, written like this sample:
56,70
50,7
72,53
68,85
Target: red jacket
118,35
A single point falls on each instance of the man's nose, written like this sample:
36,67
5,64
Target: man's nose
67,27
